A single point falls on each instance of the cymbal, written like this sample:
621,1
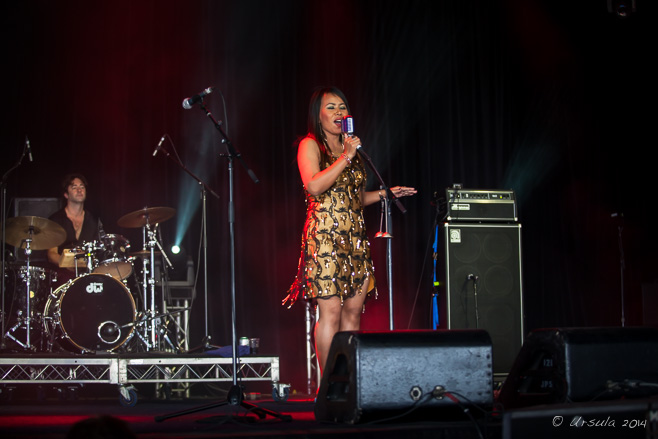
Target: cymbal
45,233
147,215
144,253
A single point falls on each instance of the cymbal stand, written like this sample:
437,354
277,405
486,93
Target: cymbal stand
28,312
150,242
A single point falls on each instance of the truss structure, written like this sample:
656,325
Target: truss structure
125,371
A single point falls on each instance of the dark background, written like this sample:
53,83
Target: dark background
548,98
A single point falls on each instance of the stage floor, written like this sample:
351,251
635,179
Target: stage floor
28,414
53,418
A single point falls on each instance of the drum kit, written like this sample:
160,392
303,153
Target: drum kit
95,311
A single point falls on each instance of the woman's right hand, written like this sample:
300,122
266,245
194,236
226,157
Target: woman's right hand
350,145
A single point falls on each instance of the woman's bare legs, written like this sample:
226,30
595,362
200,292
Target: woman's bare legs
334,317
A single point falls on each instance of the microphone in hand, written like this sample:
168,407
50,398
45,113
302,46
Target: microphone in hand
347,128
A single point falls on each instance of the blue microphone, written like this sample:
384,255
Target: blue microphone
348,125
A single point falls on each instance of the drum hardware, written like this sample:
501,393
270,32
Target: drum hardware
112,257
109,332
148,219
163,333
41,281
30,233
86,252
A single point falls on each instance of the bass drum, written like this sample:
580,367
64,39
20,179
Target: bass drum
92,313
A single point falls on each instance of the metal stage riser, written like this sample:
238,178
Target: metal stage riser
124,371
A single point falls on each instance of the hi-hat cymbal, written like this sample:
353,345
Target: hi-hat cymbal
45,233
147,215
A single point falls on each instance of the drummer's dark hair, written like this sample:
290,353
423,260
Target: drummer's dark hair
68,179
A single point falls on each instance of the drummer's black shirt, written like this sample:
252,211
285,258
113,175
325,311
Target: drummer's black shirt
91,230
91,227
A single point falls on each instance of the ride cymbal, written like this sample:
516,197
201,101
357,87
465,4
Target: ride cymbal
147,215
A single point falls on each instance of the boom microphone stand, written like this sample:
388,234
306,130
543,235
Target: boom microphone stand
235,394
204,189
3,221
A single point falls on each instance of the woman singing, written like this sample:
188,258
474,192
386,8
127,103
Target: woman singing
335,266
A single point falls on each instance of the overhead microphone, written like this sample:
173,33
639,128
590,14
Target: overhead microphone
29,148
157,148
190,102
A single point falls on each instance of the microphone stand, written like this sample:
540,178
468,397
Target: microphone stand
3,221
438,219
204,189
235,395
389,257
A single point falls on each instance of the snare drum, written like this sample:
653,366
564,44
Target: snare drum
112,257
94,312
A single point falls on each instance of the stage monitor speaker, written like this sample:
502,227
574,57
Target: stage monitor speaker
375,375
484,285
628,419
41,207
582,364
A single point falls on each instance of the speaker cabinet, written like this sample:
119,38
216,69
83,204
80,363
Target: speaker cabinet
41,207
628,419
484,285
373,375
582,364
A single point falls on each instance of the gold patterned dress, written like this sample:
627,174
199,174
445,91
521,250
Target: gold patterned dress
335,258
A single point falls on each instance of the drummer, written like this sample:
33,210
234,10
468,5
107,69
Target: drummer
80,224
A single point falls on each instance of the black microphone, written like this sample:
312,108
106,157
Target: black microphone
29,149
190,102
157,148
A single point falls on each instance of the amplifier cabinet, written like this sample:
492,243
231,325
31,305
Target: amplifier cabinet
484,285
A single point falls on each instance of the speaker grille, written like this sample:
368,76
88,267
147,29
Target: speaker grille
484,285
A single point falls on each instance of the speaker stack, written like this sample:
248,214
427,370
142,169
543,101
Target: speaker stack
484,288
